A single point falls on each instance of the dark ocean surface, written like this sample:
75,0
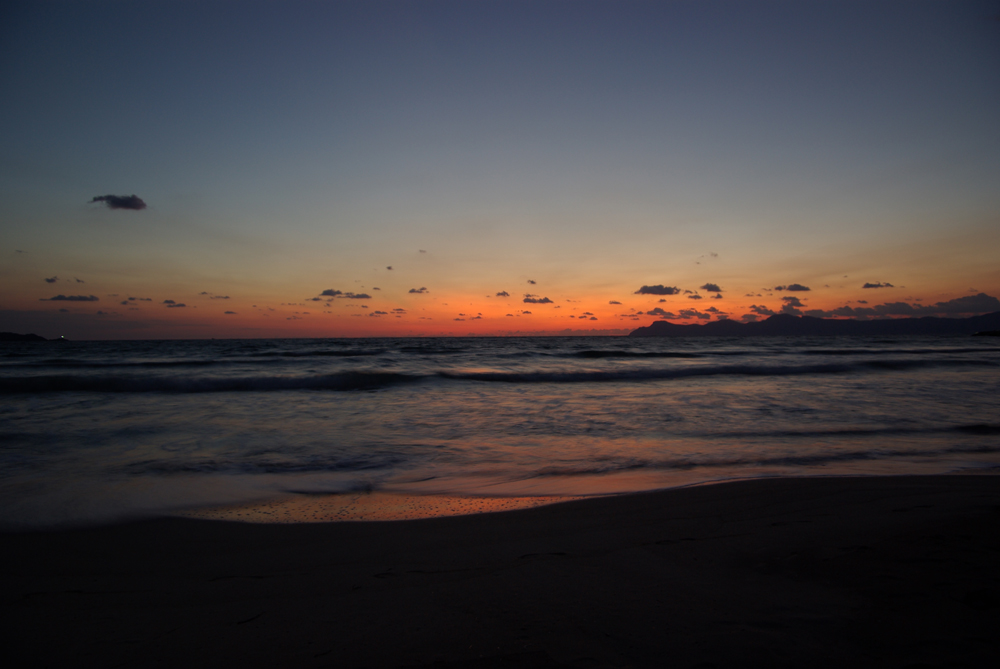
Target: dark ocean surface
100,431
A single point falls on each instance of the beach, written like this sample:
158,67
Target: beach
818,571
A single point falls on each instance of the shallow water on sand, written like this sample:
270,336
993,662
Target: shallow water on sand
94,431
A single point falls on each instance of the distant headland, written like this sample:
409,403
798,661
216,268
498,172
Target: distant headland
786,325
13,336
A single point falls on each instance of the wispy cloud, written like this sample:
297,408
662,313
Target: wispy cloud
420,290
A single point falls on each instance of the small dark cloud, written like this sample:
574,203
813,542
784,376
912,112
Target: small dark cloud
712,288
660,312
458,319
593,318
169,302
696,296
101,313
204,292
526,312
229,313
422,251
140,299
330,292
531,281
878,285
376,288
792,300
792,287
862,301
761,310
378,313
531,299
51,279
420,290
510,315
694,313
389,267
220,297
614,302
133,202
79,280
503,293
658,290
124,303
399,311
717,296
176,305
72,298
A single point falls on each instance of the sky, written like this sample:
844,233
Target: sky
339,169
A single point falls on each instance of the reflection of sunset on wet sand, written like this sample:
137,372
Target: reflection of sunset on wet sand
365,506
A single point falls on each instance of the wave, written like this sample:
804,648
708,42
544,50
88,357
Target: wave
373,380
599,354
177,384
597,376
808,460
319,354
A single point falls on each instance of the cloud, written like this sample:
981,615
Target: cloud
51,279
717,296
378,313
229,313
791,305
531,281
132,202
878,285
71,298
793,287
169,302
330,292
660,312
696,296
530,299
422,251
389,267
970,304
399,311
503,293
711,287
761,310
376,288
657,290
593,318
980,303
694,313
79,280
749,318
140,299
526,312
220,297
420,290
614,302
175,305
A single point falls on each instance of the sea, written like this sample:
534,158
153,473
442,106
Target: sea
99,432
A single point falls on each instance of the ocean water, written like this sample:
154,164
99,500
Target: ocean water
100,431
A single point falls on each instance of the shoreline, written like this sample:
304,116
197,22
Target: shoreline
823,571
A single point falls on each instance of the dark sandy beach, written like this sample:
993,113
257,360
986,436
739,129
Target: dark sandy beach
888,572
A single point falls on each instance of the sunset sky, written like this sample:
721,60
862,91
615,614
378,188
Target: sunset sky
492,167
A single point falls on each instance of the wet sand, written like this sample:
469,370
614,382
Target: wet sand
829,572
